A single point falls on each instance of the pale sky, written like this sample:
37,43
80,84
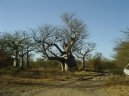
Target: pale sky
105,18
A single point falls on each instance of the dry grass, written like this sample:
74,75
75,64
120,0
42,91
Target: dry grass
18,83
118,80
32,79
35,77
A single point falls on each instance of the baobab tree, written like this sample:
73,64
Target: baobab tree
60,43
18,45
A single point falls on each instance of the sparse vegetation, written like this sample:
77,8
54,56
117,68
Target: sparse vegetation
17,68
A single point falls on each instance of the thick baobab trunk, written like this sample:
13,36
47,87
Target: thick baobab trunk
64,66
68,63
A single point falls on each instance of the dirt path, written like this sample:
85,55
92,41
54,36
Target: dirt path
80,88
71,92
74,88
98,86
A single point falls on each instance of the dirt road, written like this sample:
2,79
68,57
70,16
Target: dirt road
80,88
74,88
71,92
93,87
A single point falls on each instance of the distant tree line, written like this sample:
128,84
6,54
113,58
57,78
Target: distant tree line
16,46
60,43
65,44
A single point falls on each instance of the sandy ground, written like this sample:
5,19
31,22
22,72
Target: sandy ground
93,87
81,88
71,90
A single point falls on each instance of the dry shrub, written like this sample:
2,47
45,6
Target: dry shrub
119,79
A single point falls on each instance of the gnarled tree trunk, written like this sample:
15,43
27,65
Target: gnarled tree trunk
68,63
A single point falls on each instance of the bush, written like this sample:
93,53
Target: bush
11,70
46,65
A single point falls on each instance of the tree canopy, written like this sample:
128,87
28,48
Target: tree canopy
122,50
60,43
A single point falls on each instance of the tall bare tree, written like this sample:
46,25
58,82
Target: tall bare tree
60,43
18,45
84,52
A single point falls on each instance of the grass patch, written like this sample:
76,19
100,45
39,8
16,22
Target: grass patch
118,79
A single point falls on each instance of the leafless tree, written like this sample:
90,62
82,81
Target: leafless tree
18,45
60,43
84,52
